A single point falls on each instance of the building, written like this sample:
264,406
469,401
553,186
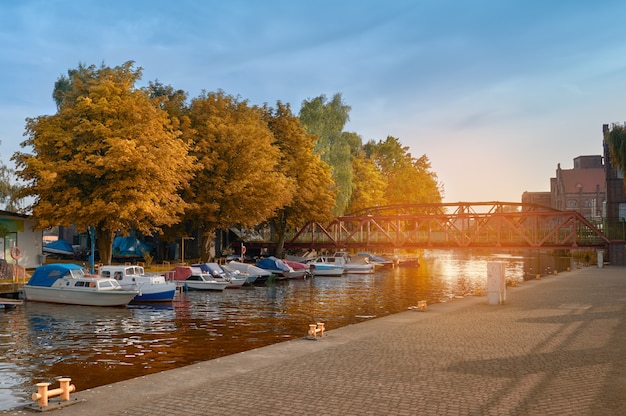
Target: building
537,198
18,231
581,189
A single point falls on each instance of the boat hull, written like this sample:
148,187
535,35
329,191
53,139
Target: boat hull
203,285
156,296
326,270
78,297
360,269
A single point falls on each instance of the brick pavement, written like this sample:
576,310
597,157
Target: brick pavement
556,347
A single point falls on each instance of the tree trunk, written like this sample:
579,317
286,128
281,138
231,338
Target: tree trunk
207,246
281,230
105,245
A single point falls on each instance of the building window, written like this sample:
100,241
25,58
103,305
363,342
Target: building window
622,211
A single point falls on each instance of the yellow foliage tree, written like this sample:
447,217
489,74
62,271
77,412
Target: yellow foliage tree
239,181
109,158
315,188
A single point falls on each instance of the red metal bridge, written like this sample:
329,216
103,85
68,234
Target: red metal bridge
453,225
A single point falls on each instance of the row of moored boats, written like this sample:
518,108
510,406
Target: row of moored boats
118,285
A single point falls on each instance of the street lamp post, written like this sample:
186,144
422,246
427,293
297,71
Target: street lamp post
182,248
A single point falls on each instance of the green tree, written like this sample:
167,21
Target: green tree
240,182
109,158
327,119
315,195
616,140
369,184
409,180
9,190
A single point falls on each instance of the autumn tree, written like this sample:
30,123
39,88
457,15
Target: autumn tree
315,196
409,180
109,158
240,181
326,119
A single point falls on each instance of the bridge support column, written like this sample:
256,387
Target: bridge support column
496,284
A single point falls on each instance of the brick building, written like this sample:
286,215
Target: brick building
581,189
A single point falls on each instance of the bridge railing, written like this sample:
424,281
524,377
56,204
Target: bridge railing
463,227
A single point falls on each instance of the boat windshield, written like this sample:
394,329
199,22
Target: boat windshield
108,283
77,273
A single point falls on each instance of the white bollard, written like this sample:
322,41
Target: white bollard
496,284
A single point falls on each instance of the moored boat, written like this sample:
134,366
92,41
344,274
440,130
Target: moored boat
255,274
377,261
357,265
276,266
327,266
299,270
193,278
218,273
153,288
70,284
59,247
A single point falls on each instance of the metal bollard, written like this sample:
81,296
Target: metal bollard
315,329
421,305
43,394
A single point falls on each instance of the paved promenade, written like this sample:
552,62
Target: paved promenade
556,347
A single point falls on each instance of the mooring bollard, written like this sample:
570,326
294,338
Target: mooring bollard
421,306
43,394
315,329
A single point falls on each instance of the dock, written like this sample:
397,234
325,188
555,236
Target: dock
10,303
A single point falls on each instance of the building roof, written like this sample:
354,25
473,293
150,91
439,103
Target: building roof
583,180
12,214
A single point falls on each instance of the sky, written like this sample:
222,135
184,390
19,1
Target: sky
496,93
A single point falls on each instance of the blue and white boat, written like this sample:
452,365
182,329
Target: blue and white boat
152,287
327,266
70,284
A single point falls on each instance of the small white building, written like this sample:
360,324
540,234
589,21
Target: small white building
19,231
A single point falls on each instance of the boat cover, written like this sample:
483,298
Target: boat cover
130,247
272,263
59,246
213,269
48,274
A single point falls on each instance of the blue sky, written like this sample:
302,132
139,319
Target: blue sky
495,93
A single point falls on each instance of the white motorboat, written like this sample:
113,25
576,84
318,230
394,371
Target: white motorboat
70,284
153,287
327,266
218,273
199,280
258,274
357,265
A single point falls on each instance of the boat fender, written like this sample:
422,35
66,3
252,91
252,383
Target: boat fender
16,253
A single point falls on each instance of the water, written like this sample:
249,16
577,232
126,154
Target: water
96,346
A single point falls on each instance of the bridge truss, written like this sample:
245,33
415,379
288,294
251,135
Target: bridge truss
453,225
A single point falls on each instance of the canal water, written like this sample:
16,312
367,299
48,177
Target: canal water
95,346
